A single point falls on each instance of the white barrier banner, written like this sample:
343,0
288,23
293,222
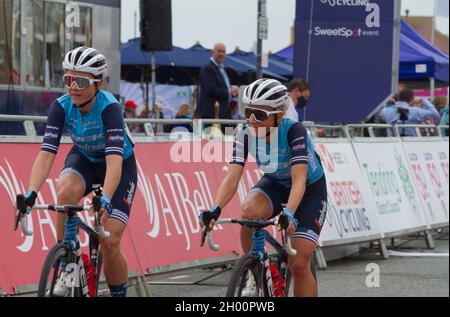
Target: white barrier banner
351,209
391,184
429,165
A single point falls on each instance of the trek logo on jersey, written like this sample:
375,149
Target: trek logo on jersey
51,135
115,138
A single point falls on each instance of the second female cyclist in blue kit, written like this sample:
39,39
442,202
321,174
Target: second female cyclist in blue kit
293,183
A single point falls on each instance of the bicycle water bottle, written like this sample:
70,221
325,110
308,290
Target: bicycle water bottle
90,275
278,281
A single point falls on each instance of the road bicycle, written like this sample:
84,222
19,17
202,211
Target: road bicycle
68,252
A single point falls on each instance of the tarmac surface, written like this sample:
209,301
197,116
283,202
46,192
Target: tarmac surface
412,270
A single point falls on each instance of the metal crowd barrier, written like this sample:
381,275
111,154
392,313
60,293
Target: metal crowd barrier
349,132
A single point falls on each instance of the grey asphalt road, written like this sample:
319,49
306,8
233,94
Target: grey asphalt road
421,275
412,270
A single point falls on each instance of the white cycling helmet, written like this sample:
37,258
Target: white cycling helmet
266,92
88,60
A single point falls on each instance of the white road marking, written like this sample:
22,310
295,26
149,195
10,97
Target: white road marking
416,254
178,277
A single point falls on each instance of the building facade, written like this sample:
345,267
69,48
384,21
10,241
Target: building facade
35,35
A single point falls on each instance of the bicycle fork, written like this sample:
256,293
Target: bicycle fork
259,250
76,275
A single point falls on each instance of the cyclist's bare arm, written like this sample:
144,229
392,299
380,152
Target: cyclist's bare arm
297,139
115,136
113,174
229,185
49,148
41,170
298,174
228,188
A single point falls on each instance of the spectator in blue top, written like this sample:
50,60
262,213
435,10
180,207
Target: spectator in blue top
441,104
404,112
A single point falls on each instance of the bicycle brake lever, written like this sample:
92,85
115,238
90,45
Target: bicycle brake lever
20,208
206,221
204,233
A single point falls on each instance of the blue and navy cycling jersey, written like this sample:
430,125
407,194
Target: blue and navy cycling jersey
292,147
99,133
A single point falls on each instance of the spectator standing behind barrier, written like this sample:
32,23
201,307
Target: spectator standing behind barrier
299,92
441,104
394,99
403,112
184,112
130,113
215,87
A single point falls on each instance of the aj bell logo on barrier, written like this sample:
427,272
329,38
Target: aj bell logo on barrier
73,15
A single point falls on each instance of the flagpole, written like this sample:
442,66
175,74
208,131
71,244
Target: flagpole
433,27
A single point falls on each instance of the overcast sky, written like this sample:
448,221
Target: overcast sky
234,21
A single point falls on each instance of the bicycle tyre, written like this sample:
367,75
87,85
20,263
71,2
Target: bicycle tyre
237,280
52,260
98,270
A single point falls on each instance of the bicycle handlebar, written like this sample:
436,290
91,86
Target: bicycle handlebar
256,223
20,214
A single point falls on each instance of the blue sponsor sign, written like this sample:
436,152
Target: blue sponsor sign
348,51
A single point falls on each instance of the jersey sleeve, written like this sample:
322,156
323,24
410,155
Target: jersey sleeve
297,138
112,118
241,147
54,129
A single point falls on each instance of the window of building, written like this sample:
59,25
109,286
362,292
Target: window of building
54,44
82,35
10,42
34,49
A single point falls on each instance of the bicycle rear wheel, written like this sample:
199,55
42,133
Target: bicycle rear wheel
51,270
248,264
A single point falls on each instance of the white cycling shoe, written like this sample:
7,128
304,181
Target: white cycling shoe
61,289
250,287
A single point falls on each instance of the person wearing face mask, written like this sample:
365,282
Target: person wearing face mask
293,184
299,92
102,153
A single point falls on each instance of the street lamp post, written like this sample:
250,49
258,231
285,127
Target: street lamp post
263,23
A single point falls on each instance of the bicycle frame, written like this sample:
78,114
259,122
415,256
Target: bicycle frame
73,257
259,250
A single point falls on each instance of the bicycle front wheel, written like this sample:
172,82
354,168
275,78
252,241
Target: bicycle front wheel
248,266
51,270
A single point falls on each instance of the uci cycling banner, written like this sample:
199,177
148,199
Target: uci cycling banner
348,51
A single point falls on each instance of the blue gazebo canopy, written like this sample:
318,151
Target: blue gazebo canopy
182,65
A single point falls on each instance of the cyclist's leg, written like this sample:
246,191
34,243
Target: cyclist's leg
115,268
311,216
260,203
304,283
74,182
